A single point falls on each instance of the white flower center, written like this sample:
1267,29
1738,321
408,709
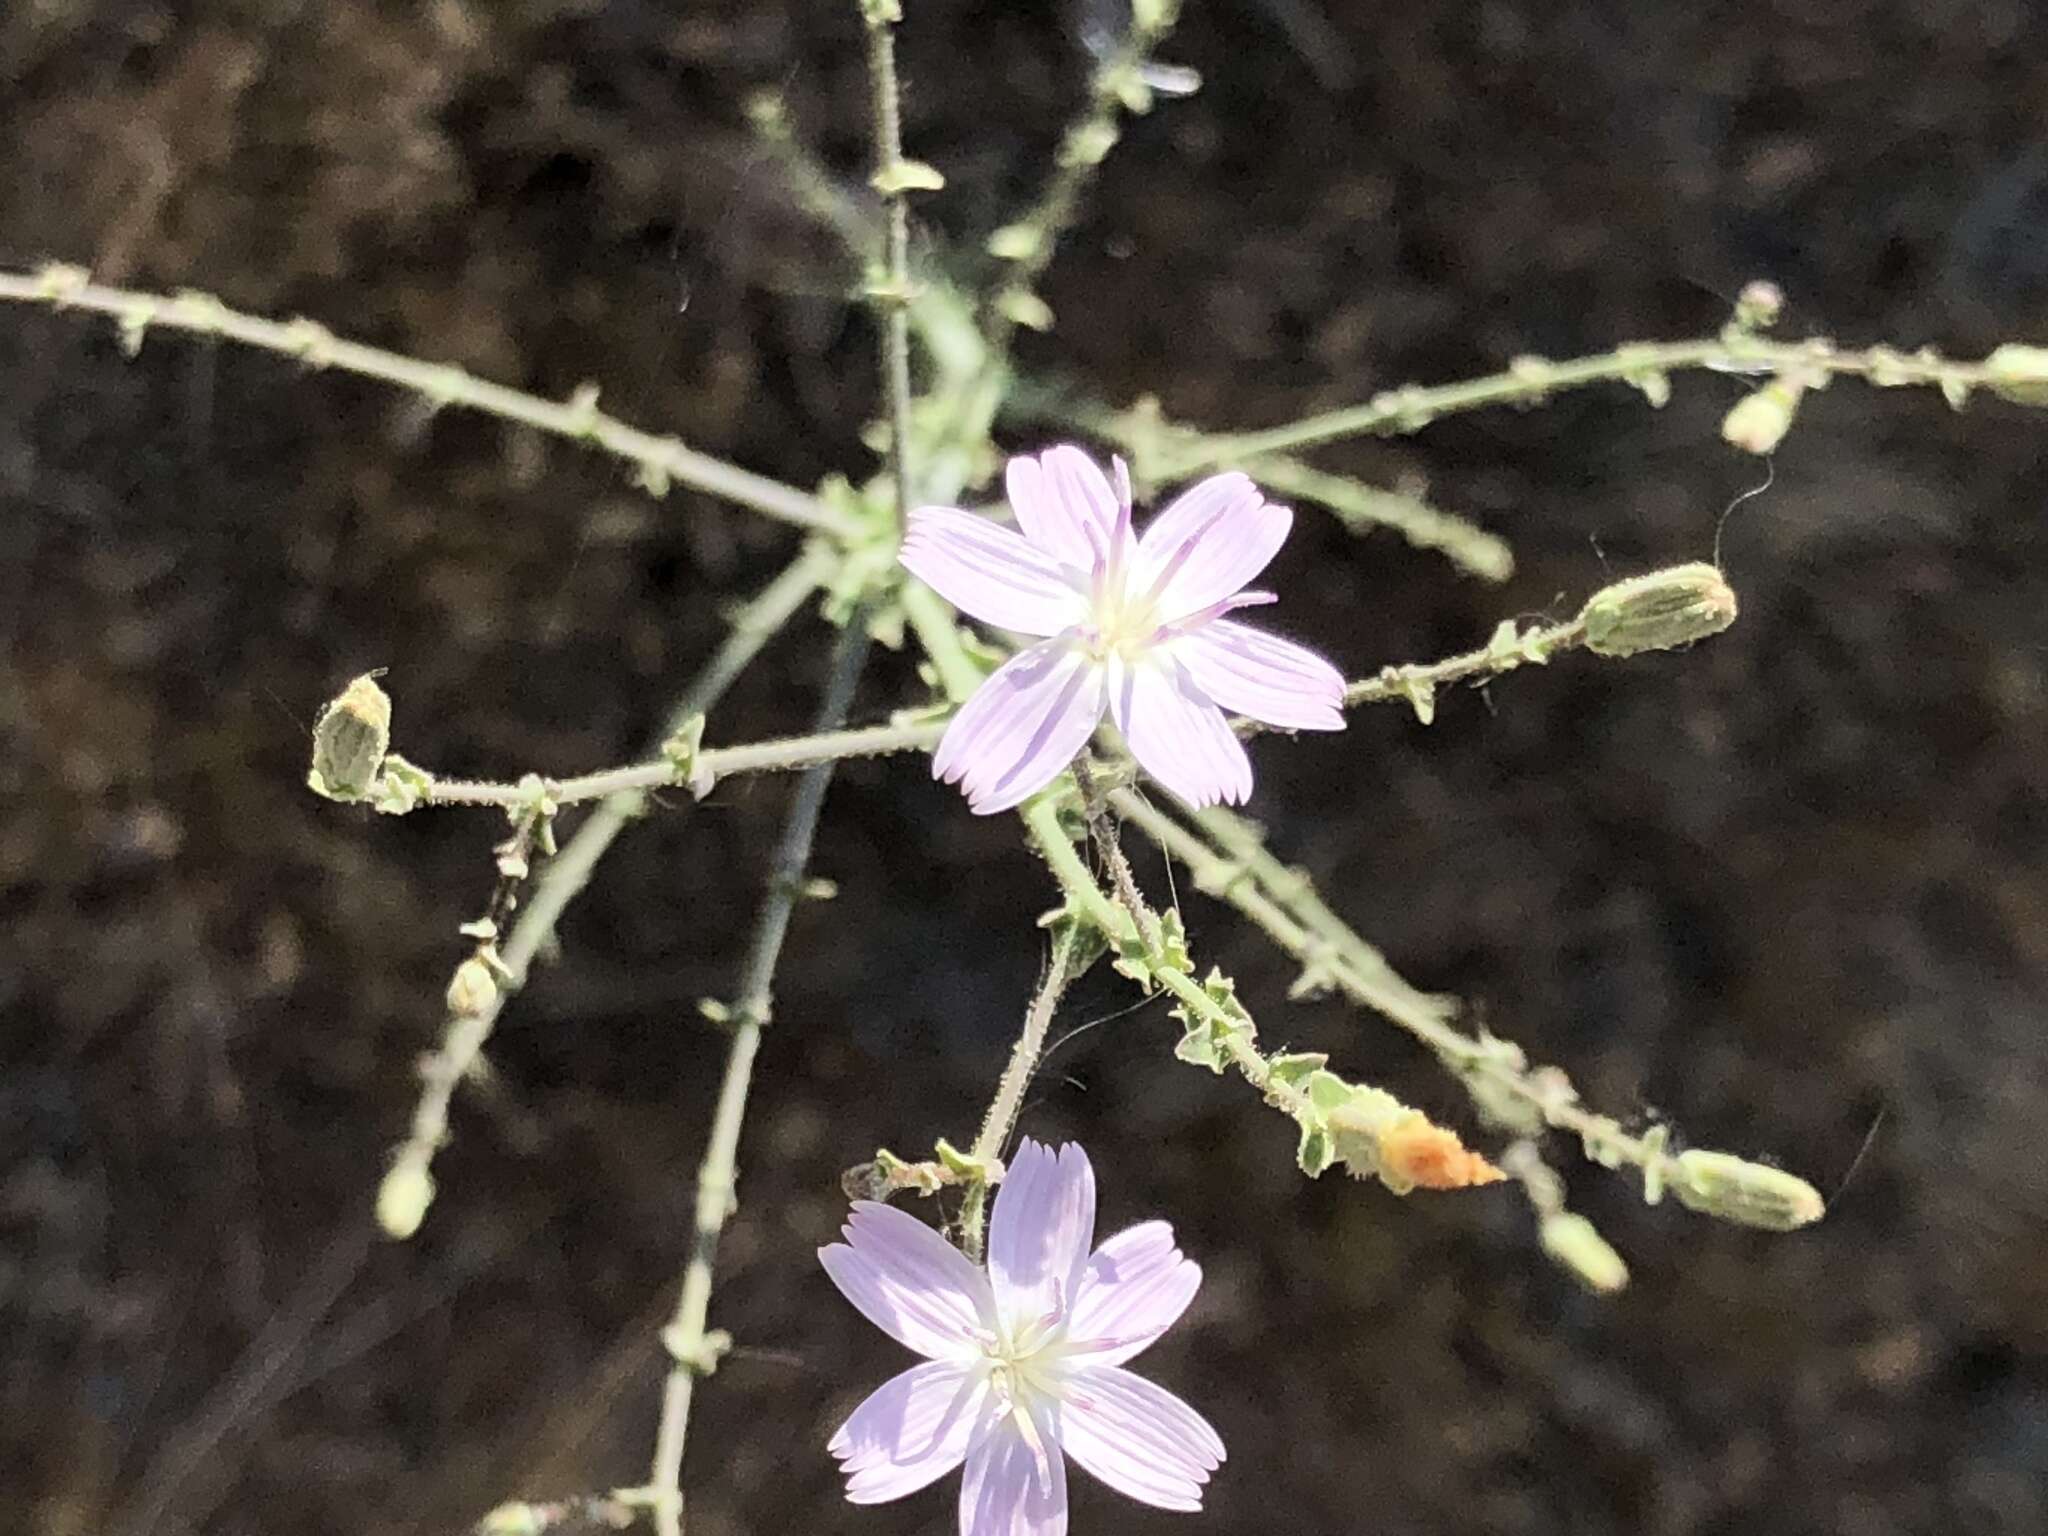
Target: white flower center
1021,1357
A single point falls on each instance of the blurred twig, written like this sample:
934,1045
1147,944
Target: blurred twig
694,1351
659,461
1027,245
1160,451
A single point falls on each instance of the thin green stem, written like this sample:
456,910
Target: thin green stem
693,1351
1001,1118
660,461
1103,833
706,767
1414,683
1162,451
892,295
565,875
809,182
1646,365
1362,508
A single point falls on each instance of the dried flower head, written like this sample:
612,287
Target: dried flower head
1024,1359
1133,626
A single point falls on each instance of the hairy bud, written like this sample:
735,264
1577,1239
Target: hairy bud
1576,1245
1660,611
1750,1194
1759,422
473,989
349,741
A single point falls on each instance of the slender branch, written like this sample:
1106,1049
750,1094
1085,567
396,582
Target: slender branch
1162,451
1644,365
659,461
893,294
694,1351
1510,648
1121,879
409,1183
813,187
1361,508
703,769
1001,1118
1119,923
1657,611
1028,244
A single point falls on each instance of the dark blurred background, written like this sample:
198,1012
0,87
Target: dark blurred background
1786,890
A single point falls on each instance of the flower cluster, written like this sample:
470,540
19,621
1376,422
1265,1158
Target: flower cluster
1132,626
1024,1360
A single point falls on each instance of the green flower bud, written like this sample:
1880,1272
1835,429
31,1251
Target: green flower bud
2019,374
403,1198
1016,242
1577,1246
1751,1194
1660,611
349,741
473,989
1759,422
1759,304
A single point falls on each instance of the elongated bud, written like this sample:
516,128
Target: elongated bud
403,1198
1750,1194
1660,611
473,989
1576,1245
349,741
2019,374
1760,421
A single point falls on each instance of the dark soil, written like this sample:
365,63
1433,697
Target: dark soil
1786,890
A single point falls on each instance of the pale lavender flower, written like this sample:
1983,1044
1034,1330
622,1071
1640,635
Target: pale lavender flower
1133,626
1023,1360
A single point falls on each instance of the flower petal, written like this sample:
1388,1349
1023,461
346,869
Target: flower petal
1261,675
1063,503
1022,726
910,1282
989,571
910,1431
1013,1487
1137,1437
1134,1288
1040,1231
1177,735
1212,539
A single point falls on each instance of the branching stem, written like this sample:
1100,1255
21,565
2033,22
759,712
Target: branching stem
566,874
